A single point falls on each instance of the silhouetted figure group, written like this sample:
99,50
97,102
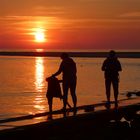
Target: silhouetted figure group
69,79
111,67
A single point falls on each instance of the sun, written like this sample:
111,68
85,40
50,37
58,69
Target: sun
40,36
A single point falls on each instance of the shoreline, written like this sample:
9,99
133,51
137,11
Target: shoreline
95,125
72,54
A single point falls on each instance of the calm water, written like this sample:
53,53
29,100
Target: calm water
23,86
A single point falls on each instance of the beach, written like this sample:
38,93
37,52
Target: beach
23,86
93,125
23,107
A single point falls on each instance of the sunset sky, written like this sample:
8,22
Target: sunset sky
69,24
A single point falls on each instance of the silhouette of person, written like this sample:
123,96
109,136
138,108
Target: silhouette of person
69,78
111,67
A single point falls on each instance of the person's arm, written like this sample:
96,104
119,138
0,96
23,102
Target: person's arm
119,66
103,66
59,70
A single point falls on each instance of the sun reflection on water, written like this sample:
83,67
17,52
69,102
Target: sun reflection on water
39,74
39,84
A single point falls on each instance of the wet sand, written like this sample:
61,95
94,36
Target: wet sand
100,125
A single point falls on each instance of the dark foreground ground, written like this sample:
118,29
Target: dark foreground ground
103,125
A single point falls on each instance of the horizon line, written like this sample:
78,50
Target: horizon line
101,54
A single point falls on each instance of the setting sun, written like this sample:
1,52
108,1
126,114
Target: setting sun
40,36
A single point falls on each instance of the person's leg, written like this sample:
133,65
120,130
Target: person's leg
108,88
73,93
50,101
116,91
65,94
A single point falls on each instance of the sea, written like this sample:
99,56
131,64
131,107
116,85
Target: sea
23,85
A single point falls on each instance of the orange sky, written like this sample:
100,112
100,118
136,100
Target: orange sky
76,24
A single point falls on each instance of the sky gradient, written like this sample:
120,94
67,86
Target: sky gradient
74,24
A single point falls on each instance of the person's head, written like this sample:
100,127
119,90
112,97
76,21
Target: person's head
112,54
64,55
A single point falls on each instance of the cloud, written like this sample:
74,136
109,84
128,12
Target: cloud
131,15
64,23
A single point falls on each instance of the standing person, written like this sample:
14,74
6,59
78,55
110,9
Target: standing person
68,69
111,67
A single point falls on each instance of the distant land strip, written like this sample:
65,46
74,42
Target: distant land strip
72,54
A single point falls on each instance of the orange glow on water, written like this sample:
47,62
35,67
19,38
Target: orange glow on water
39,84
39,73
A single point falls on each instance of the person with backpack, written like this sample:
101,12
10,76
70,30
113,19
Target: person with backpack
111,67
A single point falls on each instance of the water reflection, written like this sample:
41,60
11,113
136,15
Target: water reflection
39,74
39,84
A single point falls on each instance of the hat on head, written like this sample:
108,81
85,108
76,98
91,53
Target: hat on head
112,53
